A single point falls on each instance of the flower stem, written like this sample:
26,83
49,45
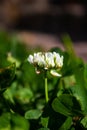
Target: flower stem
46,90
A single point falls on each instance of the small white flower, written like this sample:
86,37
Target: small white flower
49,61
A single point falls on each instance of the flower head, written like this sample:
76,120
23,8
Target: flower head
48,61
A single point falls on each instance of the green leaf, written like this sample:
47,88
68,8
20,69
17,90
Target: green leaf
55,119
80,90
67,124
84,122
10,121
5,121
77,68
81,95
44,121
6,76
19,122
67,105
59,107
33,114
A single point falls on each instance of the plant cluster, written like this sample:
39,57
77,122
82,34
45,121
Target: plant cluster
53,98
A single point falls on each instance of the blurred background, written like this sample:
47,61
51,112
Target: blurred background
42,22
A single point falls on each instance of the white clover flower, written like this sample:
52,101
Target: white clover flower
48,61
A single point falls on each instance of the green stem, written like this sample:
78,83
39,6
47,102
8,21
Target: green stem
46,90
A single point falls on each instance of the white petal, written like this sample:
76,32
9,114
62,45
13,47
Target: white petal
49,60
30,58
58,59
55,73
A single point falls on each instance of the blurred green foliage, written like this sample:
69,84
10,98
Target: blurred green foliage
22,99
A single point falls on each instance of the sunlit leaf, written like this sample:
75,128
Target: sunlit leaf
84,122
44,121
33,114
